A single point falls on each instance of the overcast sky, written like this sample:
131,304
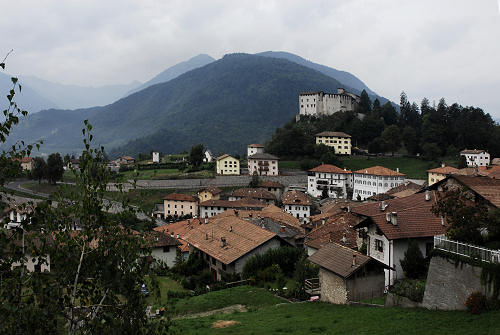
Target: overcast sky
431,49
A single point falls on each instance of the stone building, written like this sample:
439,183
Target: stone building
319,103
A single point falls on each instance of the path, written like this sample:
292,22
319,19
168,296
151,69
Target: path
225,310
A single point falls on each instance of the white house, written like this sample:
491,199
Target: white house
264,164
391,224
476,157
156,157
334,179
320,103
163,247
255,148
375,180
208,157
297,203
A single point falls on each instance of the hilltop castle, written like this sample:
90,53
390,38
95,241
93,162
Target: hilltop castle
320,103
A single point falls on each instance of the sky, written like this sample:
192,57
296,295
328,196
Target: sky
433,49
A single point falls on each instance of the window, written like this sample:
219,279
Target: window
379,245
166,249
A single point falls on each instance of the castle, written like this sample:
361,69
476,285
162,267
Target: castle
320,103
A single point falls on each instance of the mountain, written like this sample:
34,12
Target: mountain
28,99
345,78
73,96
176,70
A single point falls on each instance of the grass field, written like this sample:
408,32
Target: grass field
165,284
322,318
163,174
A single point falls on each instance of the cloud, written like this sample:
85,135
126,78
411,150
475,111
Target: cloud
427,48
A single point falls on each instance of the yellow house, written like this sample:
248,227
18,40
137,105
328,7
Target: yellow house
228,165
437,174
339,141
209,193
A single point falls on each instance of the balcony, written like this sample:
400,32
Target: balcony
261,163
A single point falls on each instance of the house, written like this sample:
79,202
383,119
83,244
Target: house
437,174
253,149
495,161
227,243
337,228
209,193
14,216
228,165
319,103
264,164
163,246
212,207
273,187
177,230
124,161
297,203
27,163
31,241
391,224
339,141
158,211
334,179
156,157
404,190
347,275
476,157
176,204
260,194
208,156
375,180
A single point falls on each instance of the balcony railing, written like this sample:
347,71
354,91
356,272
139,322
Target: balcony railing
467,250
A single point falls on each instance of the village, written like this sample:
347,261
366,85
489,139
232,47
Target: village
362,234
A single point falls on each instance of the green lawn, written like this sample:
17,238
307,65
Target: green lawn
165,284
163,174
250,297
322,318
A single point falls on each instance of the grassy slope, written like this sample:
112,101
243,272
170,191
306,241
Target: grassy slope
322,318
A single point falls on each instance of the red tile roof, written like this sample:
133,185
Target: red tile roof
181,228
334,230
270,184
241,203
225,156
327,168
255,145
472,151
414,217
488,188
24,159
333,133
180,197
379,171
214,190
158,239
296,198
443,170
254,193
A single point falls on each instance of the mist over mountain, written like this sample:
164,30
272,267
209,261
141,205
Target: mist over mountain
176,70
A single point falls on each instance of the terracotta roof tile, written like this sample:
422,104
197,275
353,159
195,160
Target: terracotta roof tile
327,168
296,198
379,171
254,193
443,170
333,133
181,228
488,188
214,190
270,183
255,145
159,239
180,197
263,156
334,230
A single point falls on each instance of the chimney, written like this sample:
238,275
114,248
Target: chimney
230,228
348,209
394,218
443,164
397,169
382,205
206,220
323,221
442,221
344,239
388,217
427,195
172,234
222,242
354,260
250,215
189,221
177,235
236,213
206,236
283,228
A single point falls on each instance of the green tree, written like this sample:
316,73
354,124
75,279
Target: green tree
431,151
389,114
462,162
413,263
39,169
365,104
391,138
55,168
196,155
410,140
375,146
255,180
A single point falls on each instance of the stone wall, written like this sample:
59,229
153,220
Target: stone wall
448,286
333,287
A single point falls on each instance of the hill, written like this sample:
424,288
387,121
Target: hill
226,104
176,70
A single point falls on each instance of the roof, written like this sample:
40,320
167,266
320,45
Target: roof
495,161
128,158
158,239
329,169
241,203
334,230
333,133
404,190
270,183
255,193
443,170
255,145
24,159
488,188
295,198
379,171
414,217
263,156
380,197
241,237
181,228
335,206
212,189
475,151
179,197
225,156
341,260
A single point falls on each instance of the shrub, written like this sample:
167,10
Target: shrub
285,258
414,264
411,288
476,303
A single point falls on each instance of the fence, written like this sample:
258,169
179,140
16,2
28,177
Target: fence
467,250
312,286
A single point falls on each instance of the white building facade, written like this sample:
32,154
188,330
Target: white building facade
156,157
263,164
334,179
476,157
320,103
375,180
253,149
297,204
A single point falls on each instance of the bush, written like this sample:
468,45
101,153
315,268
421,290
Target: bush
476,303
285,258
414,264
411,288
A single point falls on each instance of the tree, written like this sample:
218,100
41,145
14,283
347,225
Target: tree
255,180
410,140
365,104
391,138
389,114
413,263
67,159
39,169
55,168
462,162
431,151
196,154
